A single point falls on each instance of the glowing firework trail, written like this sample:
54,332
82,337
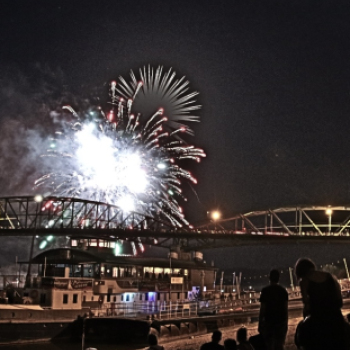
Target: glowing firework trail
127,159
163,90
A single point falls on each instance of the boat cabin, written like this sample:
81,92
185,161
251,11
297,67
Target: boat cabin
90,275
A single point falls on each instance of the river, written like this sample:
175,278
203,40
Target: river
68,346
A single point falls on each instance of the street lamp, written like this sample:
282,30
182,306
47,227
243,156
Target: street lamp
329,212
215,215
38,198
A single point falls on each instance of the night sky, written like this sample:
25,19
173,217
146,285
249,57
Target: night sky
274,83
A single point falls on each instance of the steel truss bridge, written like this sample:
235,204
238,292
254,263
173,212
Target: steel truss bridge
83,219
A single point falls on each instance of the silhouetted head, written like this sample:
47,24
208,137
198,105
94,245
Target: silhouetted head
274,276
152,339
216,337
303,266
230,344
242,335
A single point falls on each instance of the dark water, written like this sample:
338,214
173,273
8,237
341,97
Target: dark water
71,346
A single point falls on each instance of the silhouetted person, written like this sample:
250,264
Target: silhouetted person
153,343
230,344
273,317
324,326
242,338
214,344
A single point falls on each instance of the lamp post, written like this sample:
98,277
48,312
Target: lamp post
37,199
215,215
329,212
233,281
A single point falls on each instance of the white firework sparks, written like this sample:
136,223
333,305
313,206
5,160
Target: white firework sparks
163,90
127,159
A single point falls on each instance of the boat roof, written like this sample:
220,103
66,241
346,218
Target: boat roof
75,256
20,307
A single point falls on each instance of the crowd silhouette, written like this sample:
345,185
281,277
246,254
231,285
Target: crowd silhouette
323,326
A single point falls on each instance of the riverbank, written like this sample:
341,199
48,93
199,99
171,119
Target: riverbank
194,343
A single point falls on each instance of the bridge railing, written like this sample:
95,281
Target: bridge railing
60,213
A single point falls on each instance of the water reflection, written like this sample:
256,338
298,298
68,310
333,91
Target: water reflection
69,346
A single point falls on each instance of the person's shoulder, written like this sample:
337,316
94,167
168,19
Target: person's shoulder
265,289
212,346
284,290
205,346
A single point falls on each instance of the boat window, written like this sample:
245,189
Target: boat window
148,269
87,271
65,298
93,242
121,272
102,243
158,271
115,272
108,271
75,298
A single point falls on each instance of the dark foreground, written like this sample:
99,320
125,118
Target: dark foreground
189,342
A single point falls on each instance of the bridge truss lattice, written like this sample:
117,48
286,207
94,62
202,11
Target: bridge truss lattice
78,218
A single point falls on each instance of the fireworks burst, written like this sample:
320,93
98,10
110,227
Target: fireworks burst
163,90
128,156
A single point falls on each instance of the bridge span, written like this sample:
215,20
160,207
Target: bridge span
83,219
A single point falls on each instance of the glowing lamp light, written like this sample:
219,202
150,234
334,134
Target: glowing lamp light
161,166
38,198
329,211
215,215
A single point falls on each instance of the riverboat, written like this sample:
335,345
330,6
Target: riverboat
90,278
